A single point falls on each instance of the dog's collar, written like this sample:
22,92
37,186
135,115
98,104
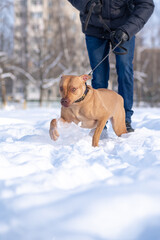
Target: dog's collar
84,95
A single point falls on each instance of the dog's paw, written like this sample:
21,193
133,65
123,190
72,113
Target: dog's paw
94,142
53,132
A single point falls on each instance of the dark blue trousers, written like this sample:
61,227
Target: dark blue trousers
97,50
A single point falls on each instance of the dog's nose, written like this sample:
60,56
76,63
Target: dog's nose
65,102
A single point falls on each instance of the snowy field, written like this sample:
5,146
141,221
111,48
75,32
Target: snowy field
68,190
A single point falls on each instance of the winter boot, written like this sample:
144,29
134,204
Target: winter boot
129,127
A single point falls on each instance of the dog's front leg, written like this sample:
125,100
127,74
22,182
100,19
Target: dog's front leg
53,132
98,131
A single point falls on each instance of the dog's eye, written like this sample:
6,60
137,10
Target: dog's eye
61,89
73,89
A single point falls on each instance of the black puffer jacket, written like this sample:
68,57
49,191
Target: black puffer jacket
116,14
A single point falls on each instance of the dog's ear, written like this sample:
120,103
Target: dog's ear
85,77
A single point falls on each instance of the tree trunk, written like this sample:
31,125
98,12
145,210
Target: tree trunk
41,96
3,92
25,96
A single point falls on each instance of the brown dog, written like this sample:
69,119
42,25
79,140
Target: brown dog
89,107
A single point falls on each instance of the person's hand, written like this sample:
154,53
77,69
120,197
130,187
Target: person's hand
120,36
97,9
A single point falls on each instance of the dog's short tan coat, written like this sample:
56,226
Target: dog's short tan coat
93,111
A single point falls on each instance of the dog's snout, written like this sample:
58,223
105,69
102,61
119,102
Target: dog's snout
65,102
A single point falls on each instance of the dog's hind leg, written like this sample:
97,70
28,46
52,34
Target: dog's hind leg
118,122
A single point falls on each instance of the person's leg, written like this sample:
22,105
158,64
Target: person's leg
124,66
97,50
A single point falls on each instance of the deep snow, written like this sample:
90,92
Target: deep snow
68,190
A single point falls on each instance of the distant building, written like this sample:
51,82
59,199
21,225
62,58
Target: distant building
32,20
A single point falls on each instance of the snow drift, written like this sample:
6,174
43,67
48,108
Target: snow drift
68,189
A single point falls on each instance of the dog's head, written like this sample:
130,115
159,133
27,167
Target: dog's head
72,88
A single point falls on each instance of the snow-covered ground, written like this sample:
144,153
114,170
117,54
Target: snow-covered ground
68,190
